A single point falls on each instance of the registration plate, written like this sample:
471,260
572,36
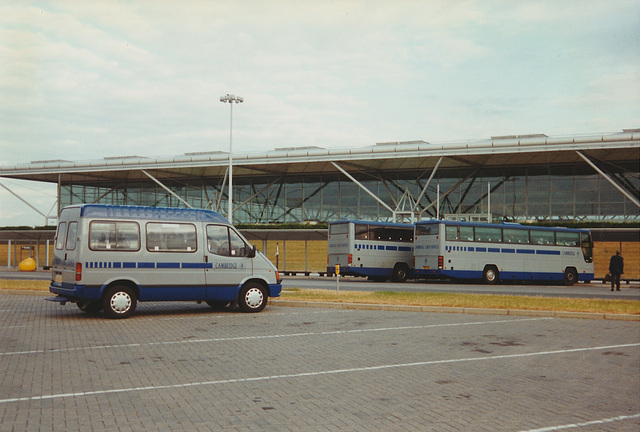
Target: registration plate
57,278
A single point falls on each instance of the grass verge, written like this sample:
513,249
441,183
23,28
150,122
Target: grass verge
488,301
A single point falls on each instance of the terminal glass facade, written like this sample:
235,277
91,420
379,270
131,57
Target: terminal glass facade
569,192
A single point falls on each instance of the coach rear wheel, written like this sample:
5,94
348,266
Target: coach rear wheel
490,275
252,297
119,302
400,273
570,276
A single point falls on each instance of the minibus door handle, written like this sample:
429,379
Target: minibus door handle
206,259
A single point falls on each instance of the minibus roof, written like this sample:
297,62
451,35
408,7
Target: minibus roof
151,213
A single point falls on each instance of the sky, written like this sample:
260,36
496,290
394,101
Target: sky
84,80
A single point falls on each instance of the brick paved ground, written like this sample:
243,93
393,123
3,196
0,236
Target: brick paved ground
180,366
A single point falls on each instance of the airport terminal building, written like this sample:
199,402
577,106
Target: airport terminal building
514,178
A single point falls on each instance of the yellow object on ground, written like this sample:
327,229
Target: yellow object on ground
28,264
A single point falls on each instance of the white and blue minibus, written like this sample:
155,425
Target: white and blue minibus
502,252
111,257
377,250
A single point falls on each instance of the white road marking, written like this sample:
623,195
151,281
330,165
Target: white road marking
308,374
239,338
582,424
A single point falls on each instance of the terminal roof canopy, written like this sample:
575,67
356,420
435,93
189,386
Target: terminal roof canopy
504,152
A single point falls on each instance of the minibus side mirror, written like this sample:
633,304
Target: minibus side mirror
252,252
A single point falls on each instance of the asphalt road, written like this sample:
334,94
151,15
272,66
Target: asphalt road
594,289
180,366
580,290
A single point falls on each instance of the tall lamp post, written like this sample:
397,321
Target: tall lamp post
231,99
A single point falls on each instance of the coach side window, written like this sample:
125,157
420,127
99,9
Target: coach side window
452,232
542,237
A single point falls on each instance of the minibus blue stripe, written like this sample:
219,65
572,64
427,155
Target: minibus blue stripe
404,248
146,265
168,265
392,248
117,265
481,249
526,251
196,265
494,250
508,251
128,265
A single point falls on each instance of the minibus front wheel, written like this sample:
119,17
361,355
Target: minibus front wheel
252,297
119,302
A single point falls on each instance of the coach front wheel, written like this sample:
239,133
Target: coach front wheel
570,276
490,275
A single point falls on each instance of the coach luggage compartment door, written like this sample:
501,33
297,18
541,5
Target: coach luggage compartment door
228,262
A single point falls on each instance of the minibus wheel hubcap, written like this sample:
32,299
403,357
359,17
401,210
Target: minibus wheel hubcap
120,302
254,297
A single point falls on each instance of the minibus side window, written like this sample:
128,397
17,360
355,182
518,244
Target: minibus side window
171,237
61,235
71,235
218,239
238,246
114,236
224,241
102,235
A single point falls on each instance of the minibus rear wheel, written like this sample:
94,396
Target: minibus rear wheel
217,304
119,302
252,297
90,306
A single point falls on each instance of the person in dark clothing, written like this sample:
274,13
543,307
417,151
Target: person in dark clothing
616,268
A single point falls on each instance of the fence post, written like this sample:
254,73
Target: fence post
8,254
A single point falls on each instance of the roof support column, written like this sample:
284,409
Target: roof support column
25,201
365,189
610,180
424,189
166,188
